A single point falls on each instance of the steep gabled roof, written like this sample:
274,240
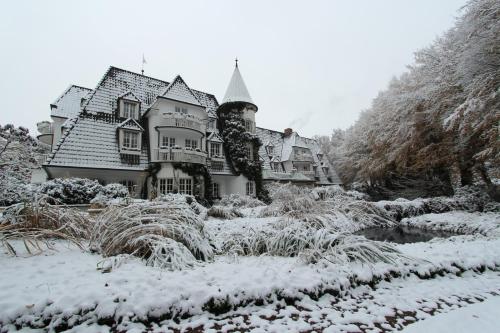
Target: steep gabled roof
237,90
69,103
214,137
178,90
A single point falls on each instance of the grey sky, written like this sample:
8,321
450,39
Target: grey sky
311,65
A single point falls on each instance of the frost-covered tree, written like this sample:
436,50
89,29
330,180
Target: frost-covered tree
439,120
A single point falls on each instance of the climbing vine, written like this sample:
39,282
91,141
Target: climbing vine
236,140
196,171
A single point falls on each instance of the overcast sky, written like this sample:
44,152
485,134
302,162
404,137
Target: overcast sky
309,65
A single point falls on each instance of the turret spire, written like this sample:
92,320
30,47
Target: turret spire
237,90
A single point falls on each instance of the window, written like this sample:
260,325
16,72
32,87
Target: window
185,186
166,185
215,190
130,140
163,185
129,110
276,166
250,189
191,143
181,110
270,150
215,149
217,166
249,126
211,124
167,142
130,185
248,152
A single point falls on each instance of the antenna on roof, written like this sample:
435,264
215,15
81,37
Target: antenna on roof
236,60
143,62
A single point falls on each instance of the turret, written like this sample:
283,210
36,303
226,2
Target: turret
237,97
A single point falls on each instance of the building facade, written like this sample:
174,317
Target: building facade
160,137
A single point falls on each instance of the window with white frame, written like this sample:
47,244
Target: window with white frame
250,188
166,185
185,186
270,150
130,140
215,190
181,110
129,110
167,141
276,166
191,143
215,149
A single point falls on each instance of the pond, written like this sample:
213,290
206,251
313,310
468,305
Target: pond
403,234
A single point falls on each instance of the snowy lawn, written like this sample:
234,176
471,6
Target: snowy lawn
64,285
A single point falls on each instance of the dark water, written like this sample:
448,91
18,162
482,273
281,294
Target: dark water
403,234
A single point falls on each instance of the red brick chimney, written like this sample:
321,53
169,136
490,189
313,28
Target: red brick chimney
288,132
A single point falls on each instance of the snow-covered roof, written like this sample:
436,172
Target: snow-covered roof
92,143
69,103
178,90
283,151
237,90
117,82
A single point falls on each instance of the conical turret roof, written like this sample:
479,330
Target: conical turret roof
237,90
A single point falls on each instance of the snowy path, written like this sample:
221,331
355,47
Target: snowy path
479,317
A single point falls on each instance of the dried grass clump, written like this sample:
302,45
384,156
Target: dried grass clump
337,210
241,201
36,222
167,233
312,245
224,212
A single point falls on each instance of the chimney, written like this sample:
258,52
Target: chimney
288,132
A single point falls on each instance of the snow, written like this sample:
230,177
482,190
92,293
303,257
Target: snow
479,317
134,290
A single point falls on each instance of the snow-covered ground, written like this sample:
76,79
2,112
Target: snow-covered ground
63,287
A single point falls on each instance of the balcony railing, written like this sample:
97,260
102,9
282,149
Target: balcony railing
175,120
310,174
303,157
178,155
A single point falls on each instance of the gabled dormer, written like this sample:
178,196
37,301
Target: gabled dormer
129,106
130,137
270,149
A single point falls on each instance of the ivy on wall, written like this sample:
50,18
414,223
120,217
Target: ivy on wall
196,171
235,142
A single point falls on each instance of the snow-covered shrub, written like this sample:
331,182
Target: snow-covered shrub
70,190
326,192
108,193
224,212
459,222
150,230
468,199
80,191
237,200
37,221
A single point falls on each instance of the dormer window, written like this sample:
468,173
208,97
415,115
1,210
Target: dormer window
130,140
270,150
129,109
215,149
